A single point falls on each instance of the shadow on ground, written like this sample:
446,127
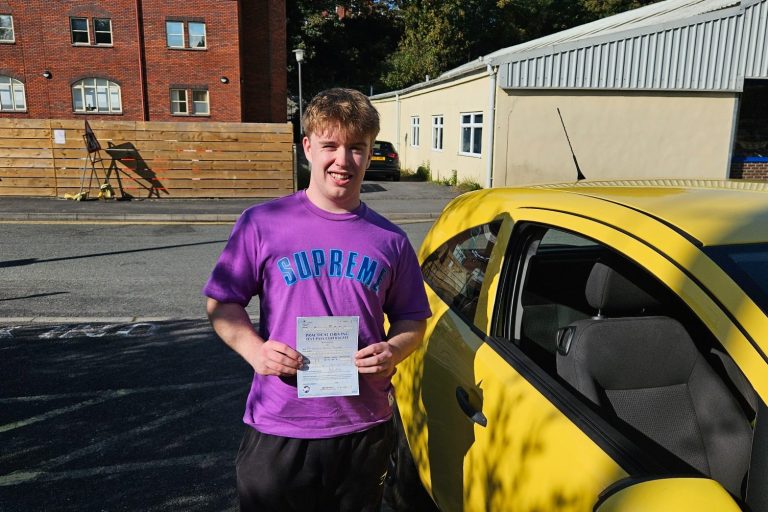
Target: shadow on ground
119,417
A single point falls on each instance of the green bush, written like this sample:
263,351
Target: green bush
468,185
423,173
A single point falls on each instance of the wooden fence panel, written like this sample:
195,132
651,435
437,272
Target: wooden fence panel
42,157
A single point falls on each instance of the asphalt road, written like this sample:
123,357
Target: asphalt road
122,399
120,418
122,272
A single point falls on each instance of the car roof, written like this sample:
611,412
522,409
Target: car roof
713,212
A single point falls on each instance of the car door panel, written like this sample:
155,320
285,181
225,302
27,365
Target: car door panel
531,454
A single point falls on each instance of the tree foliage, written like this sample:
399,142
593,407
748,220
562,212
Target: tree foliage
442,34
389,44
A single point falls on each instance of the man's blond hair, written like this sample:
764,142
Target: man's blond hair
346,110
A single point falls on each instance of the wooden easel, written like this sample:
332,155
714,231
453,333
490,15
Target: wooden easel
92,157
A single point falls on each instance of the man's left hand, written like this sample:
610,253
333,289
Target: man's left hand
378,358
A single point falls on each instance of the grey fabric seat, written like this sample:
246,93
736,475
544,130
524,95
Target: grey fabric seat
648,372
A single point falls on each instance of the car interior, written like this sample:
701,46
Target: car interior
630,348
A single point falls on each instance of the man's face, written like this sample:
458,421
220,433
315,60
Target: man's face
338,163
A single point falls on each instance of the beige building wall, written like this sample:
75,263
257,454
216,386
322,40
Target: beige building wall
450,100
614,135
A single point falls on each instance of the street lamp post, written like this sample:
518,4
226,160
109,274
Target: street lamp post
300,58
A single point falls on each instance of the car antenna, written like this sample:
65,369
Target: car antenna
579,175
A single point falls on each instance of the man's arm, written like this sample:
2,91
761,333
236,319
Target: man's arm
234,327
381,358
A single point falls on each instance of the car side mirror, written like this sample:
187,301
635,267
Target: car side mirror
670,494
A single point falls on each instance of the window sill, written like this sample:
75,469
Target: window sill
471,155
8,42
97,113
14,111
191,115
186,49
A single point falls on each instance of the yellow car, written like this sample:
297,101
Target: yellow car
593,346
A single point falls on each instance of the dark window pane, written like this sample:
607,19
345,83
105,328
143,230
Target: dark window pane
456,270
477,143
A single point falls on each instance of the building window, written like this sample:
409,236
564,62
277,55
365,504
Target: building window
102,28
177,36
96,96
437,133
471,133
6,29
12,96
415,129
179,102
174,34
79,29
196,34
200,103
181,106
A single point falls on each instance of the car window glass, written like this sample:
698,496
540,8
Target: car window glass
552,294
746,264
555,237
457,268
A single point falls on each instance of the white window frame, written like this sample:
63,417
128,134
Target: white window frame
186,36
12,31
201,107
475,128
96,32
177,99
12,90
104,95
415,131
196,101
80,31
438,124
204,36
167,33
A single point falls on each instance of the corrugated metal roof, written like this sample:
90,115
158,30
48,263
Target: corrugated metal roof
673,45
703,45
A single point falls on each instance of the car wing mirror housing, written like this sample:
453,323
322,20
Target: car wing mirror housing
666,494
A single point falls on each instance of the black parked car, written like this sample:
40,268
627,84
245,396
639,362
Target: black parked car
385,161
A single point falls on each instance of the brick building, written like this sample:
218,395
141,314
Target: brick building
153,60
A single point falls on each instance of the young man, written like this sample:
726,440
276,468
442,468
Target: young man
319,253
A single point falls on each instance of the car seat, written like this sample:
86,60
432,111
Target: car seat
647,371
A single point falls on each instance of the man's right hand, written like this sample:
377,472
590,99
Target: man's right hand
234,327
277,358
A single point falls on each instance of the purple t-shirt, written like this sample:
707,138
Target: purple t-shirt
303,261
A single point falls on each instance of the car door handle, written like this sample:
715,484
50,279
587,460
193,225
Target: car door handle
477,416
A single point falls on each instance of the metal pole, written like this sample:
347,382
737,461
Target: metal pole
301,107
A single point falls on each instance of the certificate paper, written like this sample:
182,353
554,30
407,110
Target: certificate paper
328,345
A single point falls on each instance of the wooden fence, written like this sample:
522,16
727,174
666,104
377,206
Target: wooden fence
42,157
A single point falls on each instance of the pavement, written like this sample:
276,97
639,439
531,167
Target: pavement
398,201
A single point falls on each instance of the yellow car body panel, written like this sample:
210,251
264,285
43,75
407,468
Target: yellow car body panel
471,467
671,495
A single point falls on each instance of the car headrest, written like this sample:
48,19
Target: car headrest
611,293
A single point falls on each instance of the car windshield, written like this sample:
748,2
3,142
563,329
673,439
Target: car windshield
384,146
748,265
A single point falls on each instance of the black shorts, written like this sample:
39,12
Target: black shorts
284,474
